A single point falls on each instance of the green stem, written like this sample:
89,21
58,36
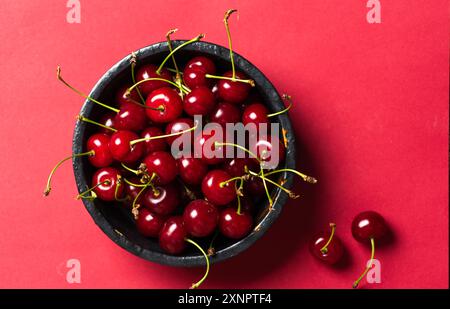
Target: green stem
84,119
223,183
146,139
154,78
218,144
230,46
356,283
289,192
281,112
48,188
81,195
133,78
196,39
233,79
197,284
263,178
129,169
303,176
324,249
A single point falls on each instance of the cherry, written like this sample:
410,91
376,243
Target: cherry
263,148
121,150
368,225
162,200
233,91
255,113
247,205
326,246
203,63
148,223
132,191
254,186
200,218
236,167
167,101
177,126
172,235
224,113
200,101
155,144
234,225
123,99
217,188
107,119
206,149
192,170
130,117
99,144
163,165
195,77
104,184
149,71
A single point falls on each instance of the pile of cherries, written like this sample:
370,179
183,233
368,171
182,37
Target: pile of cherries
177,199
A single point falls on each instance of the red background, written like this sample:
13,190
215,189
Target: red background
371,114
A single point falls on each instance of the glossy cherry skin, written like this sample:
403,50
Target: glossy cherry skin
163,165
176,126
233,92
200,218
264,148
367,225
163,200
172,236
224,113
148,223
205,149
107,119
255,113
99,143
335,249
192,170
149,71
214,192
233,225
167,99
195,77
158,144
236,167
130,117
106,191
122,99
203,63
200,101
120,148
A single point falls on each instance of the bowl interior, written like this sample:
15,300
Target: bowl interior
115,219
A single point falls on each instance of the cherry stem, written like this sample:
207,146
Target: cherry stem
160,108
134,206
234,79
239,194
169,43
173,71
116,190
289,192
58,75
133,78
324,249
372,243
84,119
303,176
281,112
136,172
48,188
127,93
146,139
263,178
198,283
223,183
196,39
230,46
211,250
82,194
219,144
134,184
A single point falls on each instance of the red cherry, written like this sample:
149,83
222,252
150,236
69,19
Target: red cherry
233,92
202,63
172,236
149,71
122,99
234,225
332,253
216,190
200,101
132,191
107,119
195,77
166,99
367,225
236,167
130,117
102,156
254,186
264,147
120,148
148,223
158,144
192,170
105,182
163,200
225,113
247,205
206,150
200,218
163,165
255,113
176,126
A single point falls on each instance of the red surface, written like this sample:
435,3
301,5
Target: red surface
371,111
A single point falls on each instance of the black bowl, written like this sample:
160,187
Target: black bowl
114,220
